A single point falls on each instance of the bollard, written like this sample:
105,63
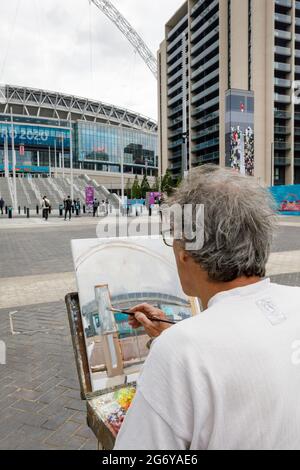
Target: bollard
10,212
37,210
25,210
61,208
73,209
6,210
19,210
77,212
28,213
83,209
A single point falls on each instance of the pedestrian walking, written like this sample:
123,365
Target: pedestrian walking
46,208
96,207
2,204
68,207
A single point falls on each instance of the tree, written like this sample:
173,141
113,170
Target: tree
136,189
167,183
145,187
156,185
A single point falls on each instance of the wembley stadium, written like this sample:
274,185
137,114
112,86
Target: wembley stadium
104,137
46,131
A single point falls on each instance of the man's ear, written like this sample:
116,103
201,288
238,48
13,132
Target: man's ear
183,256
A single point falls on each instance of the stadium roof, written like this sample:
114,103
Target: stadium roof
32,102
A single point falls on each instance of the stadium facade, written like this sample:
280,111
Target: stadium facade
105,139
228,70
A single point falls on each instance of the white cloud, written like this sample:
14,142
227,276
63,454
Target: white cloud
50,48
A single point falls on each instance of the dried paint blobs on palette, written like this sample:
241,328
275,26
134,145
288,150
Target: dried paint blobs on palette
124,398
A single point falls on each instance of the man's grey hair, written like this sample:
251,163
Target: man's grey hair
239,221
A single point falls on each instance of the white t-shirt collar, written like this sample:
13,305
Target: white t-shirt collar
252,289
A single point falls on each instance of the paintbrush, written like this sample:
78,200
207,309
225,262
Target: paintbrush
127,312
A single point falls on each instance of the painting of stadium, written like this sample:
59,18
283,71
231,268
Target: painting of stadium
114,275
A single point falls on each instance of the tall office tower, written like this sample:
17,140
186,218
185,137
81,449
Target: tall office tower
228,72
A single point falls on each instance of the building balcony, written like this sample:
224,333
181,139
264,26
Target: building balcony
297,160
206,25
173,111
174,155
282,161
175,166
206,105
284,3
282,67
197,5
207,131
207,51
206,92
174,88
206,79
175,65
207,38
286,51
204,13
282,98
205,119
175,99
175,76
205,145
297,130
175,133
202,68
174,54
282,145
213,156
174,122
175,144
297,147
282,115
286,19
282,130
180,24
287,35
283,83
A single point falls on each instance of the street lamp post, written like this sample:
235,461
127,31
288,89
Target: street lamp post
14,163
71,161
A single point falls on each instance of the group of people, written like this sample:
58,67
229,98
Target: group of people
67,206
102,207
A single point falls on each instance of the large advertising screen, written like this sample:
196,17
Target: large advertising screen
240,131
29,135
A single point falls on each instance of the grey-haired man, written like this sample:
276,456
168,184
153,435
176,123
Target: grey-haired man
227,378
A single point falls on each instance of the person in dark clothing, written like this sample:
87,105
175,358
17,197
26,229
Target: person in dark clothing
2,204
46,207
95,207
68,207
77,207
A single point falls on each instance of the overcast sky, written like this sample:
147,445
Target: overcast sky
47,45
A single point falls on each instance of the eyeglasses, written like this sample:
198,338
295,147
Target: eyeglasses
168,238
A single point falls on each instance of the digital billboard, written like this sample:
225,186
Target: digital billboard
240,131
27,135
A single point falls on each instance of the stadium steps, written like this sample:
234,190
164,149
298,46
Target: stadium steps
5,191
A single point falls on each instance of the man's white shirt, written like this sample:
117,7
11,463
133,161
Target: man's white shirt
228,378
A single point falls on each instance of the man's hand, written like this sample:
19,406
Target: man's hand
142,315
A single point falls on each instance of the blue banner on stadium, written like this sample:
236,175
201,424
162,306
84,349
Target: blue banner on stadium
287,199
